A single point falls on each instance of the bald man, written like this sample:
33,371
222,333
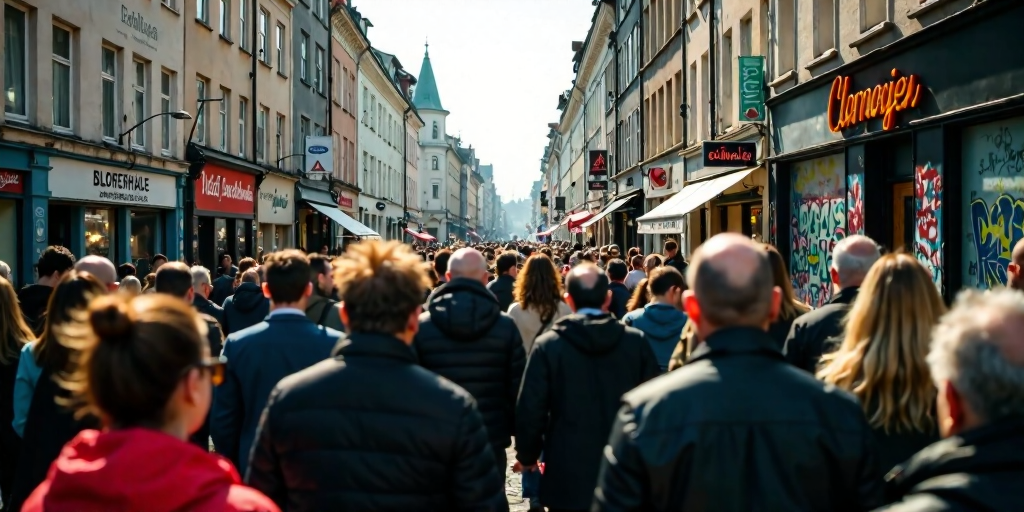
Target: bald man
810,333
102,268
576,375
738,428
465,337
1014,274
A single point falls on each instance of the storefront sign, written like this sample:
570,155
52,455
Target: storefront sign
730,154
277,205
597,185
221,190
660,227
598,163
11,182
73,179
846,110
751,88
319,156
658,177
344,202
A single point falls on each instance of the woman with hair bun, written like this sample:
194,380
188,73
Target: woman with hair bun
146,370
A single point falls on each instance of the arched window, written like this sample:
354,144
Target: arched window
433,163
435,134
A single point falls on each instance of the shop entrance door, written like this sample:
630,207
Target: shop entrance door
903,216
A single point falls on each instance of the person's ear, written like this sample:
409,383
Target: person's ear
691,306
776,304
266,290
309,290
1013,270
955,418
448,276
412,324
835,275
343,312
568,301
192,386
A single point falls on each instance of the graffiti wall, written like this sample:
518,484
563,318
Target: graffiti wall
855,203
818,222
928,205
993,196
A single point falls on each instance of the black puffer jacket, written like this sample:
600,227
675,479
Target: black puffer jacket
979,470
465,337
739,429
369,430
574,381
34,299
246,308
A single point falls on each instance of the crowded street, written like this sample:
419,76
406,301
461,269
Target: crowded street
653,256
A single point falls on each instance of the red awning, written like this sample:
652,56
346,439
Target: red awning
578,218
474,235
422,237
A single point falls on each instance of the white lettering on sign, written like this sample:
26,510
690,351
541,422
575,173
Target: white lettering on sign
219,187
9,178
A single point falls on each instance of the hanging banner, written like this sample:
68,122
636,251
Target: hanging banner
751,88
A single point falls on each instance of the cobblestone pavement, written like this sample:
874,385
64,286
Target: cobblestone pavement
514,486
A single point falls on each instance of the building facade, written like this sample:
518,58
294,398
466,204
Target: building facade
347,43
440,165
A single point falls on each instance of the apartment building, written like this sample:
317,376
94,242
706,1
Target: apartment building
347,45
912,105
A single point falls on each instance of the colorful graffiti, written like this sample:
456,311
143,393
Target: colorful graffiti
855,204
996,228
928,243
818,223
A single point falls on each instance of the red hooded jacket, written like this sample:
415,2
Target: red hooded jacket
140,469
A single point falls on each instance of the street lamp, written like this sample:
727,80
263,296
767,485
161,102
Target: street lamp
181,114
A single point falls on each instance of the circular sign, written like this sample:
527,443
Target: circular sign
317,150
40,231
658,176
40,212
380,206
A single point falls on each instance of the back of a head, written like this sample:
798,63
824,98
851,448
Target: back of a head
381,284
287,276
671,246
538,285
587,285
100,267
131,285
852,257
173,279
71,296
244,265
468,263
617,269
977,347
134,355
5,270
319,265
441,262
200,276
124,270
250,276
507,261
636,262
55,258
663,279
732,281
14,331
652,262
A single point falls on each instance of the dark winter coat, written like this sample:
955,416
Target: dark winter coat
677,262
246,308
204,305
223,287
620,298
502,288
572,388
465,337
10,442
981,469
215,339
33,300
662,325
370,430
739,429
809,335
324,311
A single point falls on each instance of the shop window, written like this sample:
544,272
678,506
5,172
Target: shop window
99,232
144,235
819,202
220,228
9,231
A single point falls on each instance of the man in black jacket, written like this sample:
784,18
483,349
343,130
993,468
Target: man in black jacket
51,266
977,362
502,287
224,286
738,428
810,334
574,380
201,288
248,306
617,272
673,256
369,429
465,337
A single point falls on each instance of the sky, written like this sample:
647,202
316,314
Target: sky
500,66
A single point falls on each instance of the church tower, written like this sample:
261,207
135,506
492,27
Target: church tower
435,184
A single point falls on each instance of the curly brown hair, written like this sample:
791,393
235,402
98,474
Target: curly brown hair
538,287
641,296
380,284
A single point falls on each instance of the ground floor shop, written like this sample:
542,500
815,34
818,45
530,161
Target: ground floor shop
225,213
12,216
947,165
323,224
275,214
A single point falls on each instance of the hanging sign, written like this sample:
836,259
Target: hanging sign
847,109
598,162
729,154
751,88
597,185
319,156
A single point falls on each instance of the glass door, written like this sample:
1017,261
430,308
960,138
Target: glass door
903,217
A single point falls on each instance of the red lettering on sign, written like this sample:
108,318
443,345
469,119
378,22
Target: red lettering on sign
223,190
723,155
345,202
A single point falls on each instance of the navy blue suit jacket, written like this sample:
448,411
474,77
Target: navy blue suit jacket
259,357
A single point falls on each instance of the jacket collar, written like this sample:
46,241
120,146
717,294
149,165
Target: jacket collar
366,344
737,340
845,296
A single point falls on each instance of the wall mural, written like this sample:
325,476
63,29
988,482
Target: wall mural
818,223
928,243
993,170
855,203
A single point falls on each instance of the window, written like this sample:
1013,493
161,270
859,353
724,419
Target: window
280,138
318,130
366,102
434,131
108,73
336,83
201,128
242,104
243,25
225,128
166,105
872,12
373,112
15,61
61,78
141,112
705,97
303,131
435,190
824,26
746,36
317,9
202,11
170,3
366,172
726,58
261,133
304,58
434,165
280,48
318,79
261,38
225,13
785,37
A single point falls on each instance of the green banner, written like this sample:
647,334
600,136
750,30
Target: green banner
751,89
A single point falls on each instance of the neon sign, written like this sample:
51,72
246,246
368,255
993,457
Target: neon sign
885,100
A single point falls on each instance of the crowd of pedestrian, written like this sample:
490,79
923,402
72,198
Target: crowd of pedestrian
390,377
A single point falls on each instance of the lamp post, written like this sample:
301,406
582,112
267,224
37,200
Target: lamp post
181,114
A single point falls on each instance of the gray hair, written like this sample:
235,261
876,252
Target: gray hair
130,283
966,352
5,270
854,265
200,276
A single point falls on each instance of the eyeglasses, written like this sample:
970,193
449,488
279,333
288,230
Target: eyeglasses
215,365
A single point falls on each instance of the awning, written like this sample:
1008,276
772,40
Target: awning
614,205
667,217
423,237
351,225
475,235
577,219
315,195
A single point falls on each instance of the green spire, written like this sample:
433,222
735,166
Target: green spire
426,96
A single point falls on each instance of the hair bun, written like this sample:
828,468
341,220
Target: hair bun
109,319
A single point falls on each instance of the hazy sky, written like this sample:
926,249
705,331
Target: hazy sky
500,66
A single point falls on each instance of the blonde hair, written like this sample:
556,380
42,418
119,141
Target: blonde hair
14,331
888,333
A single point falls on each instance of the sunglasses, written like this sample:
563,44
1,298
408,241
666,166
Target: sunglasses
215,365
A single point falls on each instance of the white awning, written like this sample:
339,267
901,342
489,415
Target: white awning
667,218
614,205
351,225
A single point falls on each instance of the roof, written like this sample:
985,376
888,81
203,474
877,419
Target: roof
426,96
